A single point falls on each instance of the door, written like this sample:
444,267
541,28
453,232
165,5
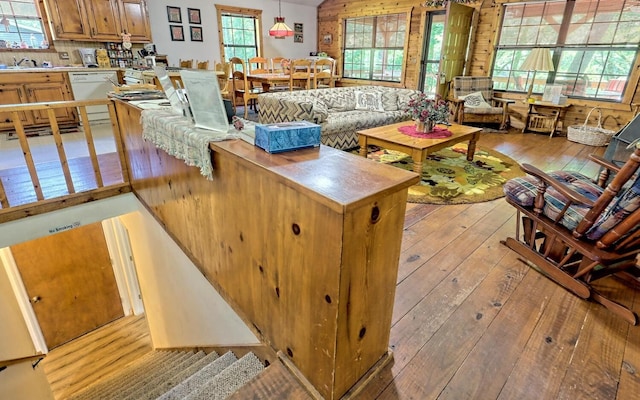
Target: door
104,19
134,19
454,44
13,94
70,281
48,92
69,19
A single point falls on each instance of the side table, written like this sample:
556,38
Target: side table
544,116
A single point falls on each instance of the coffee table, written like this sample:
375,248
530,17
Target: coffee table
389,137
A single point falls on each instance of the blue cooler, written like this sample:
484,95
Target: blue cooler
285,136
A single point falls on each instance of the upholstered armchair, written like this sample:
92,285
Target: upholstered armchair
473,101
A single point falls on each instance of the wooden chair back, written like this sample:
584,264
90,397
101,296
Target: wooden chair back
224,80
203,64
276,64
241,87
324,73
186,63
258,65
300,74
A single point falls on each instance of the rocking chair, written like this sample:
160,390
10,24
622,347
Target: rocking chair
575,231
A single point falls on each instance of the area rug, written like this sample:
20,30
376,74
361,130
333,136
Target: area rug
448,178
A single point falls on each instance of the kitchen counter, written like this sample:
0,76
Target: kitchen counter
55,69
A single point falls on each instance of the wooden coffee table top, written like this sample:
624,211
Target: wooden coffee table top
391,134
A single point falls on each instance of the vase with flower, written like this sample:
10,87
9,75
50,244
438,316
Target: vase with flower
427,112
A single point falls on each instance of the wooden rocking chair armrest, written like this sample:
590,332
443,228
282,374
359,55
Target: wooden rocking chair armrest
504,102
455,101
572,195
604,162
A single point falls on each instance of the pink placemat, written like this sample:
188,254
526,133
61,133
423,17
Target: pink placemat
436,133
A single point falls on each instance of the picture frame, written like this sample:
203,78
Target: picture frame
177,33
297,38
327,39
174,14
297,27
196,33
194,16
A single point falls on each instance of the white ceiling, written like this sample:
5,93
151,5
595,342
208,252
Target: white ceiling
313,3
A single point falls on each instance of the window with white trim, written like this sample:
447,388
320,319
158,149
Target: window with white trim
594,45
240,32
374,47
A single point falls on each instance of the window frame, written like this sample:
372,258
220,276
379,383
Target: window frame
246,12
46,31
341,37
560,46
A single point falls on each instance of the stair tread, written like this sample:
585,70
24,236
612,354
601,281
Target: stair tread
139,389
101,387
228,381
182,390
173,381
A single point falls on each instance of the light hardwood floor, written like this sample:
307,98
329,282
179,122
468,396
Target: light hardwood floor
471,320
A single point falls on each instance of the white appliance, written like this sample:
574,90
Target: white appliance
89,85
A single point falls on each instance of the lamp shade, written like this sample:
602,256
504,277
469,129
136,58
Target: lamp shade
538,60
280,29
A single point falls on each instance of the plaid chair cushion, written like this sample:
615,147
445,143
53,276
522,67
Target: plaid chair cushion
522,191
464,85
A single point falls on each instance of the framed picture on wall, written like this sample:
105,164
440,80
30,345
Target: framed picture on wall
177,34
196,33
194,15
174,14
297,37
297,27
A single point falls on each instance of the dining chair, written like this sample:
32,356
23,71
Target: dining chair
202,64
223,81
300,74
186,63
276,65
258,65
324,74
241,87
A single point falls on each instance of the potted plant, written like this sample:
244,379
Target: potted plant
427,112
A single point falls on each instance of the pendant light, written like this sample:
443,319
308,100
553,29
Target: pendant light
280,29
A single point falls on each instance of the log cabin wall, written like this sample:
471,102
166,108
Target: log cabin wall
332,12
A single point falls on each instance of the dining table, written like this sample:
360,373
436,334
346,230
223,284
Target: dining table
270,79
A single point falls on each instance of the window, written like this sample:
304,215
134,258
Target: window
240,32
22,26
594,46
374,47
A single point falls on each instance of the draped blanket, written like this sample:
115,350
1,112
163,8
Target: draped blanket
178,136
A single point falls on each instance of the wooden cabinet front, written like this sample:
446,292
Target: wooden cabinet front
36,88
134,20
13,93
104,19
68,19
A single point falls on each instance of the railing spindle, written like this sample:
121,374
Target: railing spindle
53,122
26,151
91,145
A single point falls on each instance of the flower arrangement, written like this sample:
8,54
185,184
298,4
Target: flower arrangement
424,109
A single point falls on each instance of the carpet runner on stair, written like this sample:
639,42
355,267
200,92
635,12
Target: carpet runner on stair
176,375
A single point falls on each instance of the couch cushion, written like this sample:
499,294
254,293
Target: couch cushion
338,100
369,101
475,100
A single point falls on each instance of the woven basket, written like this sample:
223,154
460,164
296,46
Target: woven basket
590,135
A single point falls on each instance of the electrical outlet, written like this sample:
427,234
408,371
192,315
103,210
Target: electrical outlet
63,55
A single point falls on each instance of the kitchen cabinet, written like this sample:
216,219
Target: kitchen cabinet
135,20
35,88
99,20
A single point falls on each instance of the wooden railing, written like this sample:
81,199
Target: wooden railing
73,185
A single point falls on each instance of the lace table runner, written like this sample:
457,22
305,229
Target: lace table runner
178,136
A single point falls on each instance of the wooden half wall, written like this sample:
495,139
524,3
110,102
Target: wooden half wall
304,245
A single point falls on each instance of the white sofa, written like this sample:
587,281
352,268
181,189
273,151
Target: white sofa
340,112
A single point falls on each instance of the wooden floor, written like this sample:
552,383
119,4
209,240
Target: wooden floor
471,320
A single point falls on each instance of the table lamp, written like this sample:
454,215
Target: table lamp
538,60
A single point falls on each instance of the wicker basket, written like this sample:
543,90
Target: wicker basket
590,135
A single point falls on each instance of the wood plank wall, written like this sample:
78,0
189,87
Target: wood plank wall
332,12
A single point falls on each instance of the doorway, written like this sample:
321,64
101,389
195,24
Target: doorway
432,52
